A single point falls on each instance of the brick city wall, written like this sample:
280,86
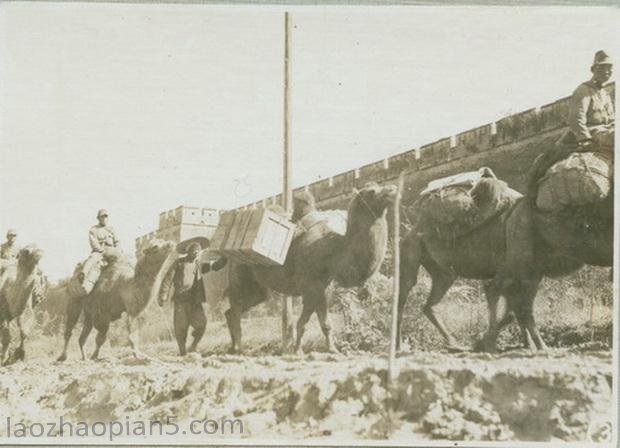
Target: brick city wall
508,146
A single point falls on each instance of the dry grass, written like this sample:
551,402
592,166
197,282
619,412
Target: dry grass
569,311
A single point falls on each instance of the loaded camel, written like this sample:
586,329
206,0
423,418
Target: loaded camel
553,243
472,251
315,258
19,282
120,288
513,249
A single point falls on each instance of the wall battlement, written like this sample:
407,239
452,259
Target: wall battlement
509,130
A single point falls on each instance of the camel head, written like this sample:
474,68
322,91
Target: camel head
366,236
303,203
29,257
372,201
154,256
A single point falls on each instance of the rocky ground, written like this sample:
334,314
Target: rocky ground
563,394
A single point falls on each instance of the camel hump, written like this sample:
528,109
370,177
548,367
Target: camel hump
334,220
460,204
318,225
466,179
112,255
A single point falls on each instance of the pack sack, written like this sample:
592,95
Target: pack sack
459,208
316,224
582,178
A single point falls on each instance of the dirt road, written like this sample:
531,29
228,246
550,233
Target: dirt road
516,395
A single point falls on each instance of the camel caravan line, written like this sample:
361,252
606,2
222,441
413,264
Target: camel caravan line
471,225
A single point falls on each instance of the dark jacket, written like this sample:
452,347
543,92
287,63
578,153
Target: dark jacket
184,280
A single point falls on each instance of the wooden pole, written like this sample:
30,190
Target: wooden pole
396,281
287,194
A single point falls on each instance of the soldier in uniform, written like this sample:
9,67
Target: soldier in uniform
9,250
591,107
101,237
184,282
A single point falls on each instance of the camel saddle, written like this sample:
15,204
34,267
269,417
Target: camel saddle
88,272
319,223
461,204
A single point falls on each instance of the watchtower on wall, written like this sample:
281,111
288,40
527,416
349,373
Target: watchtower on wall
180,224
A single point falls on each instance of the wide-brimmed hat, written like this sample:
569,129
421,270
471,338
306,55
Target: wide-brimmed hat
184,246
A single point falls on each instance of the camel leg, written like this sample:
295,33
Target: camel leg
133,335
19,353
441,282
5,339
520,299
306,313
102,334
321,313
199,324
240,301
525,314
87,326
489,340
74,309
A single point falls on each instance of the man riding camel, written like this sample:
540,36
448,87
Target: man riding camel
188,295
591,122
591,107
9,250
101,237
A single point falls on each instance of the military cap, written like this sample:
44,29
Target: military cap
11,232
601,58
101,213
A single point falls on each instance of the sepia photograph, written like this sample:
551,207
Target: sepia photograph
302,224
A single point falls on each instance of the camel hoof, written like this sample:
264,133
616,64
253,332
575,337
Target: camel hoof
62,358
333,350
485,346
17,355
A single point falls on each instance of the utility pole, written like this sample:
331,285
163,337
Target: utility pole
287,194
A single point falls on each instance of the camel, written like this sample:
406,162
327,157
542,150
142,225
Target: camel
317,257
120,288
20,282
549,244
475,253
513,250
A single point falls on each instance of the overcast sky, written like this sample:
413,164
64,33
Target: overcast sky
141,108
